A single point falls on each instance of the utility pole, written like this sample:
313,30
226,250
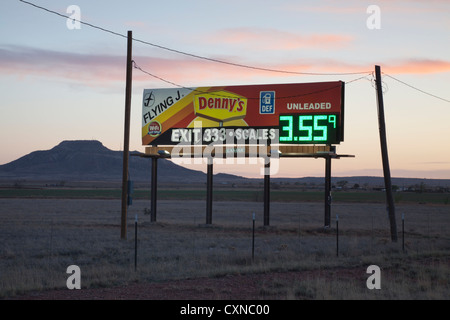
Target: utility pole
384,155
126,135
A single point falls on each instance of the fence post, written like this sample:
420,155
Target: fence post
337,235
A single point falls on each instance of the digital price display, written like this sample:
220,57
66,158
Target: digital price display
309,128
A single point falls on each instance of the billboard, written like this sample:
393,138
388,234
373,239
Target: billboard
296,113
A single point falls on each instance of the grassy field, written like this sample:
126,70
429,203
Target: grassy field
41,237
228,195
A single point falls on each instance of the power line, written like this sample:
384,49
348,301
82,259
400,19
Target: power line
191,54
212,93
248,66
412,87
217,60
67,17
156,77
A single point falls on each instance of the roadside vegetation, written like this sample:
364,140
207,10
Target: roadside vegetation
42,237
233,194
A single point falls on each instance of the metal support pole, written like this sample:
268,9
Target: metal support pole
153,191
267,194
123,222
327,218
385,157
209,191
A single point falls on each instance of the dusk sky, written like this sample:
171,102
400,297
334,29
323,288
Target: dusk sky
63,82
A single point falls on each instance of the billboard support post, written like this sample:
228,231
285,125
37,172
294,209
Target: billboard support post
241,118
123,226
153,191
209,191
267,193
327,222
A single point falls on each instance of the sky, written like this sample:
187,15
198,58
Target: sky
62,81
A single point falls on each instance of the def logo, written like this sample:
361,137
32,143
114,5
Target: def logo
267,102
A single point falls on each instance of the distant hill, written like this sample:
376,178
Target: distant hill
370,181
89,160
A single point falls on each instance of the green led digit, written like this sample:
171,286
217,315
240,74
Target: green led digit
302,127
332,119
324,129
287,128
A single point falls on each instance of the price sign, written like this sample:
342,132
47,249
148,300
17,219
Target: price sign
309,128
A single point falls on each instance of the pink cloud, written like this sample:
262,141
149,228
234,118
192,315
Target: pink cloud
417,66
271,39
105,70
24,61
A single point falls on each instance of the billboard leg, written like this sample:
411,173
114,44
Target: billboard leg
267,194
209,191
327,218
153,191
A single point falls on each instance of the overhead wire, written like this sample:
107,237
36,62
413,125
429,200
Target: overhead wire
76,20
187,53
216,94
221,61
415,88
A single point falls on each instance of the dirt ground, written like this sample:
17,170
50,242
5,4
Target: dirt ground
230,287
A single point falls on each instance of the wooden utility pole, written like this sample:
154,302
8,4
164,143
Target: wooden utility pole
126,135
384,155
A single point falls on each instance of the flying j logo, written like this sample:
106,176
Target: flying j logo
220,106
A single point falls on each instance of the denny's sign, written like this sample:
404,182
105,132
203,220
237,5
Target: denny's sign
220,106
244,114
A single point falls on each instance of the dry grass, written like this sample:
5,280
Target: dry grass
42,237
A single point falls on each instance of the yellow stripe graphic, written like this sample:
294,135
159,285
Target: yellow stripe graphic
171,114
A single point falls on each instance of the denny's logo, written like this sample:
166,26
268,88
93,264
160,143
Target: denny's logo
220,106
